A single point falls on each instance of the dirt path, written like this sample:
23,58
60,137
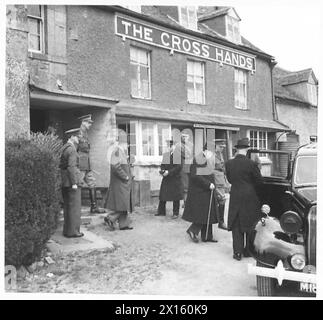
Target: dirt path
154,258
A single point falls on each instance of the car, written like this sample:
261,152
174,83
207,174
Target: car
283,241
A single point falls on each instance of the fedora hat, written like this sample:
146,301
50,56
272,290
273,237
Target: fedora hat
242,143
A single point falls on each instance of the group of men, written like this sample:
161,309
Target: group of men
206,177
210,179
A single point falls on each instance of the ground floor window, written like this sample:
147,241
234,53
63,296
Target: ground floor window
259,140
147,139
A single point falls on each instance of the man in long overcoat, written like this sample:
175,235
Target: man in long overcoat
172,188
244,207
119,198
197,208
71,182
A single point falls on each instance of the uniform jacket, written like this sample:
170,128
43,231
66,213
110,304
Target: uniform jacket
199,193
245,179
219,170
84,151
69,166
119,198
172,187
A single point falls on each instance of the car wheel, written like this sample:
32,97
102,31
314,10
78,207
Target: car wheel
266,286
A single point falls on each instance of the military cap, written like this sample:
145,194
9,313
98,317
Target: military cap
72,132
87,117
219,142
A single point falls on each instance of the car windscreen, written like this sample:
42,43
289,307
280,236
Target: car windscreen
305,171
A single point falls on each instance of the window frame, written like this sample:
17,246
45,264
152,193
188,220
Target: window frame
202,63
237,77
186,24
138,64
262,156
41,20
139,150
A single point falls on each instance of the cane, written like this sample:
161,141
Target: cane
209,213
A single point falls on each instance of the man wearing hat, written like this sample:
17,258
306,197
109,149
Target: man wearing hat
244,207
171,188
69,165
88,178
221,183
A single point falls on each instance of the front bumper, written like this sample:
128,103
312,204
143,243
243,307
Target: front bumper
280,273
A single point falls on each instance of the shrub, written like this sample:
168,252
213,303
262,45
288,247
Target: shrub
32,195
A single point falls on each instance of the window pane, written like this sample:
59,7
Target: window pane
34,10
199,93
33,26
133,55
163,135
134,80
147,139
190,67
34,42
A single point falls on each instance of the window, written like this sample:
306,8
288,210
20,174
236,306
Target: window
195,82
35,28
151,139
240,89
259,140
233,32
188,17
140,73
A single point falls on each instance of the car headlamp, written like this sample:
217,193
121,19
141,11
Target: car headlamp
265,208
298,261
290,222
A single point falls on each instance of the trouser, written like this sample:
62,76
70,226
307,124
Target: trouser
121,217
72,210
221,212
239,238
162,207
199,227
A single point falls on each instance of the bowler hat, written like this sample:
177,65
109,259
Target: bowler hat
242,143
87,117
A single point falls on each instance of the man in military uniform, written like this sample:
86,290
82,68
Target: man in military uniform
71,182
88,179
221,183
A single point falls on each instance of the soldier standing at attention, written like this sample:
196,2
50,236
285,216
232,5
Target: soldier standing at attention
71,182
88,179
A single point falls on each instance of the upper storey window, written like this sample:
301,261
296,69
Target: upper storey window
232,27
35,28
188,17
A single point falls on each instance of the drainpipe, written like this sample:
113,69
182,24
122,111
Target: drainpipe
274,110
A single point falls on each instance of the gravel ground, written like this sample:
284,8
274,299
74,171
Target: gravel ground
155,258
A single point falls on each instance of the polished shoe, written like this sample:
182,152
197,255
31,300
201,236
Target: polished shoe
237,256
109,223
160,214
126,228
210,240
222,226
192,236
77,235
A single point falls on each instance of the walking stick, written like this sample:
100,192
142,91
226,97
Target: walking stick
209,213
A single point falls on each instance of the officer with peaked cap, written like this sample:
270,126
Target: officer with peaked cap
88,178
71,191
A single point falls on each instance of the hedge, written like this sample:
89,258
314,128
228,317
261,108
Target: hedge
32,195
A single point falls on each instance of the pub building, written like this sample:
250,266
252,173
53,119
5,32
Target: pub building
152,71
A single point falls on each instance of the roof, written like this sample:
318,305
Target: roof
212,12
148,110
283,78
